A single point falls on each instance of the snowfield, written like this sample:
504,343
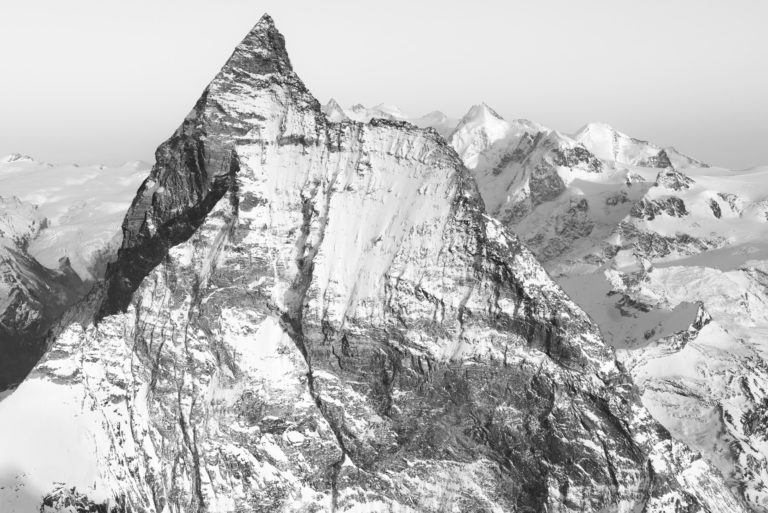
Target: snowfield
83,208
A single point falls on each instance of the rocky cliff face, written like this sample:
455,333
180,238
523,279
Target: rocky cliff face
312,316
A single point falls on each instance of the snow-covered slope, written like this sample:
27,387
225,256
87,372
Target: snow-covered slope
59,225
609,144
317,316
668,255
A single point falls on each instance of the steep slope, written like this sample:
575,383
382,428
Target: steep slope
312,316
58,228
667,255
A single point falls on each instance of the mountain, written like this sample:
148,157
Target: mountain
306,315
609,144
334,112
59,225
666,254
435,119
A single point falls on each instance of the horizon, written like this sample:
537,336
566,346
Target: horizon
70,100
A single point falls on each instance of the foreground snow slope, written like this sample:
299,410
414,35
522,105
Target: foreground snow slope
59,225
317,316
665,253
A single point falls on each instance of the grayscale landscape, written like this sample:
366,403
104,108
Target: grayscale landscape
299,306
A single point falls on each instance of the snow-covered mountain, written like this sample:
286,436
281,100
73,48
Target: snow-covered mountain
316,316
59,225
435,119
609,144
665,253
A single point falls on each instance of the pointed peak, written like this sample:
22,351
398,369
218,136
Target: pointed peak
333,111
482,110
596,127
262,50
265,22
481,115
332,103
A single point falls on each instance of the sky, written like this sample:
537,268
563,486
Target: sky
106,81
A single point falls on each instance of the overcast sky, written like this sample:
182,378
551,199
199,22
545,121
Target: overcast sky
108,80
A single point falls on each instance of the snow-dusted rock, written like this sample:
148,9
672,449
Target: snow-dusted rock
312,316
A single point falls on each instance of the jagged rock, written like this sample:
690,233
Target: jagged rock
733,200
661,159
649,209
715,206
673,179
356,335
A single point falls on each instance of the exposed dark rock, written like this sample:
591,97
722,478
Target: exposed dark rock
673,179
715,206
649,209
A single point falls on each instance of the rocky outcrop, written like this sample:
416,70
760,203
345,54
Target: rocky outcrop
649,209
313,316
672,179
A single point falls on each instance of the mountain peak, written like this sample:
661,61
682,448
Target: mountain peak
262,50
333,111
595,127
332,103
481,111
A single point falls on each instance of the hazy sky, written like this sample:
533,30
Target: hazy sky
108,80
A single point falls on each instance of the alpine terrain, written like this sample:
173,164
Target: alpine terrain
59,226
665,253
312,310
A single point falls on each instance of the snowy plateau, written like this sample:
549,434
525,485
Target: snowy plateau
315,308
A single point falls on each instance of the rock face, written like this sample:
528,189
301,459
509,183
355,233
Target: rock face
311,316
